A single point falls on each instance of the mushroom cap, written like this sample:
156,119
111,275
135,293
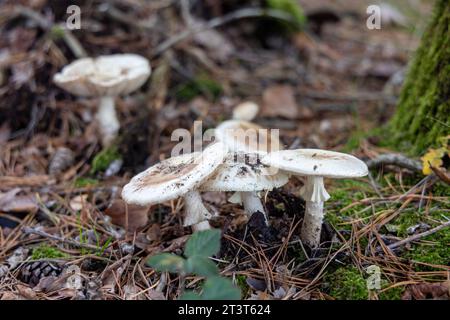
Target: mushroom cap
316,162
245,136
246,111
173,177
245,173
104,76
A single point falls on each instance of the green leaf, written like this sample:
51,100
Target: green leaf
167,262
219,288
190,295
201,266
203,243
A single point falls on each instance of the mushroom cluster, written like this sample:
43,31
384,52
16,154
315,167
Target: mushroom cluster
245,159
232,164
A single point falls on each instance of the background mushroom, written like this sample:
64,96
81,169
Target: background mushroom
245,111
245,177
178,177
315,164
105,77
247,137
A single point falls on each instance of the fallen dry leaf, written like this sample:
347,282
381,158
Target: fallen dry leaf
137,215
26,292
11,296
11,202
279,101
79,202
427,291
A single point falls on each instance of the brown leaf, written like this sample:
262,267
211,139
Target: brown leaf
11,296
11,202
279,101
26,292
154,232
428,291
51,283
137,215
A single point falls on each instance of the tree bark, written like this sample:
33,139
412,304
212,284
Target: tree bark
423,112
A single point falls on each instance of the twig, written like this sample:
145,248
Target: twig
217,22
441,174
418,236
28,230
364,96
396,160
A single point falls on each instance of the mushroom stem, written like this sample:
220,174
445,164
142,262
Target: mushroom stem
252,203
312,223
196,215
314,194
107,119
204,225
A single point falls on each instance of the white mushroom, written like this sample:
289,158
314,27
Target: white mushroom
315,164
178,177
245,175
105,77
244,137
246,111
247,137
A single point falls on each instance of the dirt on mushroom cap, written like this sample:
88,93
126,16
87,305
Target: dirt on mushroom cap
244,172
316,162
173,177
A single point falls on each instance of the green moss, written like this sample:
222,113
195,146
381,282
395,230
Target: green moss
292,8
349,284
391,294
437,252
82,182
423,113
343,193
346,284
103,159
242,284
200,85
46,252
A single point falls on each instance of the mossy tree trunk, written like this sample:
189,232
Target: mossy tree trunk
423,111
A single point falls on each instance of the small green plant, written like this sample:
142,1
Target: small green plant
292,8
103,159
198,86
57,32
199,248
46,252
82,182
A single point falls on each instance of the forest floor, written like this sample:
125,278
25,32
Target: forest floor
337,80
